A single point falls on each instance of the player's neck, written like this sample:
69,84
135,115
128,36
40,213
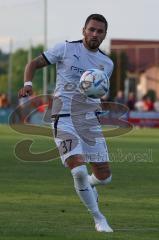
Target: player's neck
88,48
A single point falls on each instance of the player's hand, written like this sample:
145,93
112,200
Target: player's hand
25,91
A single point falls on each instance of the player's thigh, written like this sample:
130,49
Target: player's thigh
96,150
101,169
68,142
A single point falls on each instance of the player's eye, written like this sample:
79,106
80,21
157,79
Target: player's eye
100,31
92,29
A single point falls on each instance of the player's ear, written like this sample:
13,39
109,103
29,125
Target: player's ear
104,35
83,31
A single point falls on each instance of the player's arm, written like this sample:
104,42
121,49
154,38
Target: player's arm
29,72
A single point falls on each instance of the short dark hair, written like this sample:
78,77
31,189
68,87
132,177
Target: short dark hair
97,17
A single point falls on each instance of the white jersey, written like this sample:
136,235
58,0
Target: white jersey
72,59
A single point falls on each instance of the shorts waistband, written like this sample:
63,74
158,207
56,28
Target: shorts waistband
68,114
60,115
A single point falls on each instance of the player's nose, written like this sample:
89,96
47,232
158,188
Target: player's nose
95,33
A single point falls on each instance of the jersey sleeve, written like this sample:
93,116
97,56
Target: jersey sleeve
55,54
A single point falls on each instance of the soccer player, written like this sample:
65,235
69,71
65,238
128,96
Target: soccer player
78,146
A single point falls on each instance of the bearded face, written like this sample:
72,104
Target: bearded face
94,34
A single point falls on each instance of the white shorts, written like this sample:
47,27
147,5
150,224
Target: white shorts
79,135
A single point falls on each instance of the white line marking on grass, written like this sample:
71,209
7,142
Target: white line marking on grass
137,229
120,229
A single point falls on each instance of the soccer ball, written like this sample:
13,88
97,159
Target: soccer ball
94,83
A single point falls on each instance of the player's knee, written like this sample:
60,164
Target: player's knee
74,161
106,180
104,174
80,175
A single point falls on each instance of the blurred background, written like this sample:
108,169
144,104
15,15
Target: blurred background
28,27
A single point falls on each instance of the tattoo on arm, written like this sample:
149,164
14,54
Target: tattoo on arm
40,62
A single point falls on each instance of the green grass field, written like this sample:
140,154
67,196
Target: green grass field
38,201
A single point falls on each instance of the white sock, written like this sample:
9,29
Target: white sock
95,181
85,192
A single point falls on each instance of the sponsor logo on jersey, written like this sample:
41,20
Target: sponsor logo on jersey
77,69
